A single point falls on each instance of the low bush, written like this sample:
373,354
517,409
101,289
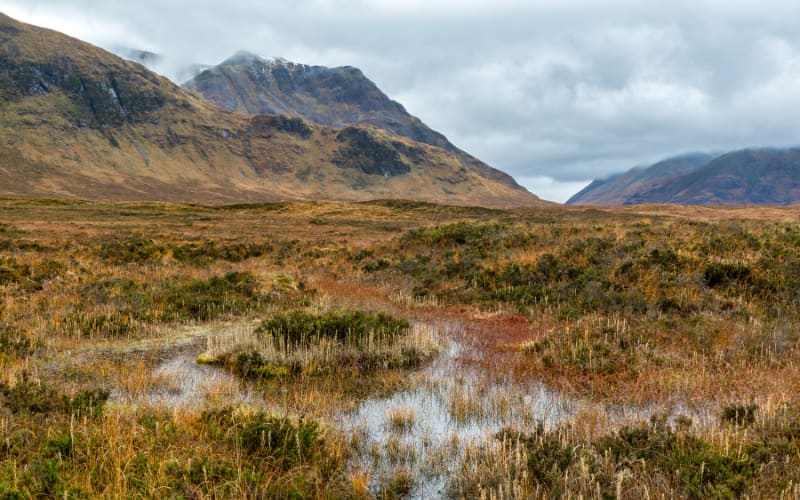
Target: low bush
301,343
234,293
549,455
300,329
15,343
696,468
285,442
722,274
739,414
126,304
37,398
29,277
132,251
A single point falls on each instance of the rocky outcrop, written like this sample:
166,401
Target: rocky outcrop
363,151
329,96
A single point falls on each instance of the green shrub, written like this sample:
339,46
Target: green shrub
58,447
549,455
264,436
15,343
105,325
7,493
701,470
300,329
234,293
721,274
28,277
29,397
202,471
89,402
127,304
253,365
290,443
37,398
377,265
202,254
740,414
132,251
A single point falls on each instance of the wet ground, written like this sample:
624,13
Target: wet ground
425,430
184,384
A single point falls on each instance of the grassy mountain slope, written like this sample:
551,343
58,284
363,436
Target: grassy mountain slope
337,97
77,121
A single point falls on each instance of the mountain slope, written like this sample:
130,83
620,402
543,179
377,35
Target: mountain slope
338,97
623,188
77,121
746,177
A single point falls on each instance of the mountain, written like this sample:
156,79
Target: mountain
745,177
622,188
337,97
77,121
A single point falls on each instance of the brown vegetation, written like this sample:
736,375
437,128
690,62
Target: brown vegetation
669,337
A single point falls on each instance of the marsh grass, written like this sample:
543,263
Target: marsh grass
401,419
630,311
148,452
646,458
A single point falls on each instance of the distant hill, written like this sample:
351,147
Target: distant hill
746,177
77,121
621,189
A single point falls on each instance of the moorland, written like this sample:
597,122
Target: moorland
390,349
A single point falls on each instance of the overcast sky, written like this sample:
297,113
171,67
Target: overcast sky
554,92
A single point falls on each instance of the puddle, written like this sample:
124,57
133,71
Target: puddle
179,382
703,418
426,430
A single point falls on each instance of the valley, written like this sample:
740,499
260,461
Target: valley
397,349
273,281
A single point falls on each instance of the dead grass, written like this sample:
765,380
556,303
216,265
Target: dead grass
704,334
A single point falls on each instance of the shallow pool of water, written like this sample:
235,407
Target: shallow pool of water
179,382
449,410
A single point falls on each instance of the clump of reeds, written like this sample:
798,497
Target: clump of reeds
493,469
401,418
307,343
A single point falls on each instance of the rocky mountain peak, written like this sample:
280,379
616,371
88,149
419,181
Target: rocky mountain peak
338,97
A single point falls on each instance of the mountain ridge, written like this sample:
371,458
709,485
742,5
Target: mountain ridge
753,176
618,189
78,121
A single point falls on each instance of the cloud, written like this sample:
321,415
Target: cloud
555,92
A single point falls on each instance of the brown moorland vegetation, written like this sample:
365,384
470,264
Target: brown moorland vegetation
665,339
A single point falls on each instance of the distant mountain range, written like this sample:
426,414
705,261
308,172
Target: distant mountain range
745,177
77,121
